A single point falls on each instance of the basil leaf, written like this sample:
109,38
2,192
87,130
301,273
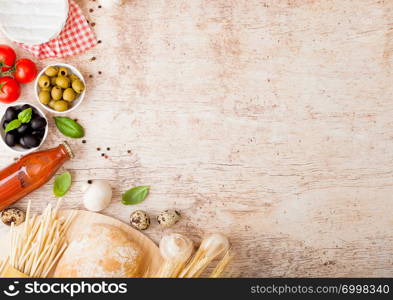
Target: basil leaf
62,184
69,127
135,195
25,115
13,125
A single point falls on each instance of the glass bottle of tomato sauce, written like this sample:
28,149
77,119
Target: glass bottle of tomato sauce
31,172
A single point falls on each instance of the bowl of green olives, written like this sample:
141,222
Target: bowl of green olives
28,129
60,88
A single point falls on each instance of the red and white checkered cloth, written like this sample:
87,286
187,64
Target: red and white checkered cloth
75,38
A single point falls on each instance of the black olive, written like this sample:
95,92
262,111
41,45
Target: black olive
11,114
23,129
26,106
30,141
11,139
5,124
22,143
38,123
35,113
39,133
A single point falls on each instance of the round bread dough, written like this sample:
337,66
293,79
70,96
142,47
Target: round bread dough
102,251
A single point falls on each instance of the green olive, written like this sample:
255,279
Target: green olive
61,105
78,86
46,89
69,95
51,71
44,81
63,71
73,77
53,81
52,103
44,97
63,82
57,93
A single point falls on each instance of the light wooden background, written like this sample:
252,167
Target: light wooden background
270,121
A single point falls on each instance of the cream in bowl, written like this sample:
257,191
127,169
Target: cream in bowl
24,128
60,88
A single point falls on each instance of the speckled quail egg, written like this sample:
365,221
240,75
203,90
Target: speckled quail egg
168,218
13,215
140,220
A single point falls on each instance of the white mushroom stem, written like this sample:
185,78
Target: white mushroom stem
212,247
176,250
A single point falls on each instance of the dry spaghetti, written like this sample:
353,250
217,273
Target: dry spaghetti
38,245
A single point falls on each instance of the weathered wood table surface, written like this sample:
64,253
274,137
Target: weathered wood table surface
270,121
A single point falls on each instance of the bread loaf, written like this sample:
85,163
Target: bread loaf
102,251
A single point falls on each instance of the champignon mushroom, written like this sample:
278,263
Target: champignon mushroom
98,195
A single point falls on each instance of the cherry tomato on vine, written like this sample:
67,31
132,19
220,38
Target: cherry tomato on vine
9,89
25,70
7,58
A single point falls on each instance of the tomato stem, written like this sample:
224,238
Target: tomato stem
8,72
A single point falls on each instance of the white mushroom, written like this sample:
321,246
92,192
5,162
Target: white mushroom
98,195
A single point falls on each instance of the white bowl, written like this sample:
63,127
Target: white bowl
75,103
18,149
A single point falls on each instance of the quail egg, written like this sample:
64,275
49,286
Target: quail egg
13,215
140,220
168,218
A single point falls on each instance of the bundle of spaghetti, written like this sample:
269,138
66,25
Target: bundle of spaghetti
178,261
176,250
39,244
212,247
222,265
3,265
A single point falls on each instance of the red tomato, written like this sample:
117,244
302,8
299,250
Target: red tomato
9,89
25,70
7,58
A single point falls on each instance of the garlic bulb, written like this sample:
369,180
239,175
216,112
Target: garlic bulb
214,245
111,3
176,247
98,195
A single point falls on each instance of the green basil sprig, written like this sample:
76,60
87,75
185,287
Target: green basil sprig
69,127
23,117
62,184
135,195
14,124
